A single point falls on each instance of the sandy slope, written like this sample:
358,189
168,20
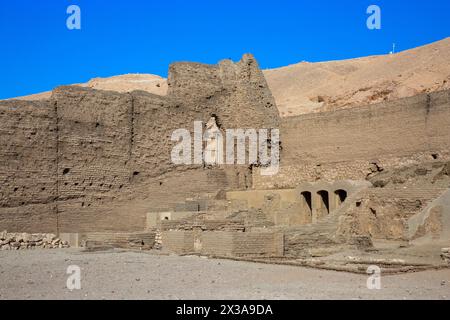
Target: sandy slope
314,87
309,87
122,83
130,82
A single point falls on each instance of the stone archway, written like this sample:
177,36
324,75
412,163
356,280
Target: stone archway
306,204
323,204
340,195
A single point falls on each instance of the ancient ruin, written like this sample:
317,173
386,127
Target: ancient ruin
356,186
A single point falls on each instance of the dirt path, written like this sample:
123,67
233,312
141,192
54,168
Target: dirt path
41,274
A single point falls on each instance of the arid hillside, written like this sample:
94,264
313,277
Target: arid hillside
314,87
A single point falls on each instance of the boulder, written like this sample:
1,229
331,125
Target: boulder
445,255
15,241
15,245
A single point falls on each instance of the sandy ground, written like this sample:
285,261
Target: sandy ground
118,274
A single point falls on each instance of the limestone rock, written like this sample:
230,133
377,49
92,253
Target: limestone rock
445,255
22,241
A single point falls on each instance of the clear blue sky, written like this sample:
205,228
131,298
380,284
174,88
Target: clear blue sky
38,52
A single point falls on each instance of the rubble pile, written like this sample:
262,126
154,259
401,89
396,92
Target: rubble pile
445,254
16,241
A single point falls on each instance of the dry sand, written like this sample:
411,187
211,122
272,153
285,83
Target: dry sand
118,274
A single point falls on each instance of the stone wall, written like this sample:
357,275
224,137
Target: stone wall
242,243
353,143
135,240
88,160
28,179
307,203
178,241
224,243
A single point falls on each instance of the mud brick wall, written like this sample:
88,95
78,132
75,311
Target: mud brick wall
237,93
217,243
258,243
120,240
178,241
28,184
223,243
88,160
343,144
201,224
93,151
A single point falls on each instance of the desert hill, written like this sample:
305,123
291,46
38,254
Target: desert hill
122,83
312,87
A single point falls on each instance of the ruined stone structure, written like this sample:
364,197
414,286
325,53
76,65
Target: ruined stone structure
97,163
88,160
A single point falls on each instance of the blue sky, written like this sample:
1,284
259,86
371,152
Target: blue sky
38,52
